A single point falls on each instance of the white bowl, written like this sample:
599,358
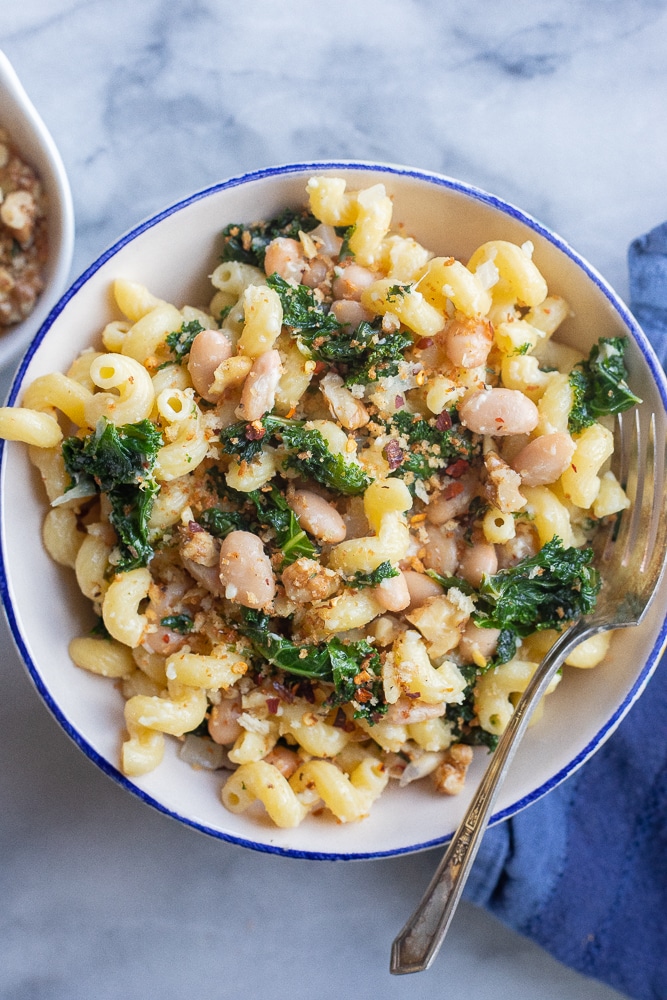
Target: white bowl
173,254
34,143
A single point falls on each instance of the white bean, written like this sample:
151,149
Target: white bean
326,240
317,516
477,642
258,395
545,459
315,273
209,349
245,570
284,759
476,560
350,283
420,587
454,499
467,342
345,407
498,412
441,551
223,726
393,593
285,257
350,313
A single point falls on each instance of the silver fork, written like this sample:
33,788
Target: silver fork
631,557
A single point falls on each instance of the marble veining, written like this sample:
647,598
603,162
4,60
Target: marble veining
557,106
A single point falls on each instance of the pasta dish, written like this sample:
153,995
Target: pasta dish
329,522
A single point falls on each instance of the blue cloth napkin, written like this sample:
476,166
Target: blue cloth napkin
583,871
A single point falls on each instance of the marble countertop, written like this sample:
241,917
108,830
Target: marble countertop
556,106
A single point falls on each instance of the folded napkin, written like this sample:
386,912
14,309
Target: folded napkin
583,871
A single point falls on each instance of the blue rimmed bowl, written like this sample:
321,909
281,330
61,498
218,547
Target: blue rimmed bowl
173,254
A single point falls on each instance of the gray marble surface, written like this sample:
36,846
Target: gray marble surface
557,105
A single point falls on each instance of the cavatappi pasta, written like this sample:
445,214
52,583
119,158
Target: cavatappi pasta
303,511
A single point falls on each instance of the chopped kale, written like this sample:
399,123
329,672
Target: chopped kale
100,630
220,522
379,356
180,341
307,449
353,668
544,591
385,571
178,623
346,232
462,717
302,312
119,461
248,244
267,507
599,384
274,510
362,355
398,292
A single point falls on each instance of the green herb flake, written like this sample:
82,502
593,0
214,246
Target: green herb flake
180,341
178,623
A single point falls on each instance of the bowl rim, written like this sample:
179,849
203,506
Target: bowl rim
308,167
61,218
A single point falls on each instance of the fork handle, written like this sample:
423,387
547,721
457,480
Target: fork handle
418,943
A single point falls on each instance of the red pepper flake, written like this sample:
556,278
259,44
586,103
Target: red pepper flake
452,490
255,431
320,367
456,469
394,454
342,722
424,342
443,421
272,704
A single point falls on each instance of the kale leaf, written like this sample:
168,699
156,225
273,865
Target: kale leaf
248,244
274,510
270,509
353,668
178,623
308,452
302,312
180,341
119,461
363,355
599,384
462,717
547,590
219,522
385,571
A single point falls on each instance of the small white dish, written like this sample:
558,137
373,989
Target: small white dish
173,254
34,143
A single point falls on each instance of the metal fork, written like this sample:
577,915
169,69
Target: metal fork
631,556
